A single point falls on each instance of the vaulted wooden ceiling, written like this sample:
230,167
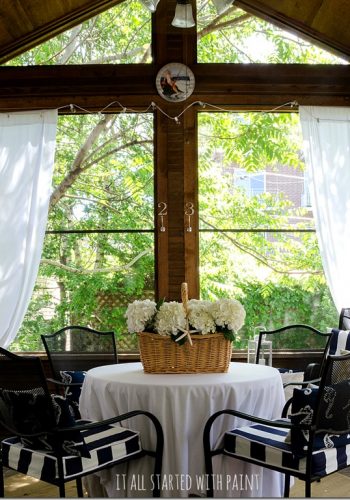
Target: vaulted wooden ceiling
27,23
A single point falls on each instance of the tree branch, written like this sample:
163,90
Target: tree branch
115,150
75,270
246,249
215,26
76,169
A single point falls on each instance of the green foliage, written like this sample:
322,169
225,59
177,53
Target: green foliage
284,303
238,37
277,276
95,276
120,35
103,179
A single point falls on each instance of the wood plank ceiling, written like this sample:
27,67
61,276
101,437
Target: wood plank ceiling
26,23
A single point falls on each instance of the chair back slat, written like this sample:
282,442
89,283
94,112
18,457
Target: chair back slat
311,342
79,348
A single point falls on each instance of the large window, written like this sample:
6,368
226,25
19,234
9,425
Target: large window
99,247
257,238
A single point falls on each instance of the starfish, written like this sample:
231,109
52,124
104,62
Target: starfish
186,331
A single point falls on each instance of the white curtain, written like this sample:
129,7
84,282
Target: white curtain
27,147
326,134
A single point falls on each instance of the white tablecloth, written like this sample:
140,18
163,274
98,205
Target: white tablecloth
183,403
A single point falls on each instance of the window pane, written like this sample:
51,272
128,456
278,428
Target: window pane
257,239
113,270
240,37
103,202
120,35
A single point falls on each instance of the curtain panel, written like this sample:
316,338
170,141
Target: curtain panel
326,136
27,148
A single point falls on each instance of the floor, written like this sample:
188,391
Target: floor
334,486
19,486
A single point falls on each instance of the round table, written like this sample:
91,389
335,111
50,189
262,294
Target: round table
183,403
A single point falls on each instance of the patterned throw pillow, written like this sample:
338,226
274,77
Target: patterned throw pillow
335,397
72,393
30,412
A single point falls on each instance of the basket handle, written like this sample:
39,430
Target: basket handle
184,299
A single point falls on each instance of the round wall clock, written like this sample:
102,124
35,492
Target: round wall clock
175,82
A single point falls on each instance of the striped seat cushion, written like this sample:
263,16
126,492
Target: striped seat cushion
340,340
266,445
107,445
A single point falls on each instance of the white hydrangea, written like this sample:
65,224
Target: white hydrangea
203,316
199,316
139,313
170,317
228,313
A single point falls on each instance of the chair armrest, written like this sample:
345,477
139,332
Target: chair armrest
113,420
93,425
252,418
244,416
271,423
64,384
303,384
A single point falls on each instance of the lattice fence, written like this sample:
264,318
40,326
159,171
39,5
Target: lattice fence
125,341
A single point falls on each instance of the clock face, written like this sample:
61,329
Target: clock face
175,82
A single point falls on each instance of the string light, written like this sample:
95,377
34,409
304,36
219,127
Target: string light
154,106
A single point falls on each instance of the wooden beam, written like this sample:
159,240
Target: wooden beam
176,164
242,85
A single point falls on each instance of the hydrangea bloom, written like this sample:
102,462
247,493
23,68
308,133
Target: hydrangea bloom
139,313
228,313
200,317
170,317
225,315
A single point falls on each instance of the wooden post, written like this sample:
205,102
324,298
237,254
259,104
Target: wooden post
176,166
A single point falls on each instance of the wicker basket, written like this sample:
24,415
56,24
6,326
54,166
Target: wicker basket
208,354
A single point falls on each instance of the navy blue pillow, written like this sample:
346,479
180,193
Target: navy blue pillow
302,411
72,393
30,412
72,441
332,416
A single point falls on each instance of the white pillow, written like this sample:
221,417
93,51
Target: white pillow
287,377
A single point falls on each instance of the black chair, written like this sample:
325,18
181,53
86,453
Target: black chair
47,443
73,350
344,319
314,348
313,443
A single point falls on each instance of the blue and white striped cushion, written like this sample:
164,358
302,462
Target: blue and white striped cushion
107,445
267,445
